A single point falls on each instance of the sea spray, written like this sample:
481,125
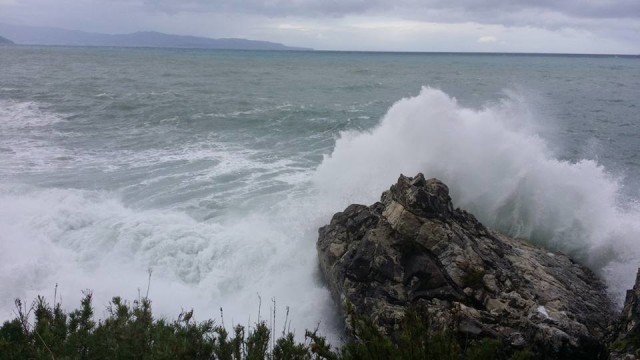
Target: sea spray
103,241
498,168
493,158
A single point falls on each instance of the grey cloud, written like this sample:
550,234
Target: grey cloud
616,21
571,8
550,14
267,7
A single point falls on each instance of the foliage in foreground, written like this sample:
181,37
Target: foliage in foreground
129,331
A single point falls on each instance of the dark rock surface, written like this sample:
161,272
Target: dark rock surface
626,338
414,248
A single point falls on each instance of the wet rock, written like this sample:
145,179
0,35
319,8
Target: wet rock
626,336
414,249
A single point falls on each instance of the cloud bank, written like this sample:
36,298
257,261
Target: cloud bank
409,25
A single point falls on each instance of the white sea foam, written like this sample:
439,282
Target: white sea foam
89,240
492,159
25,114
26,133
499,168
83,239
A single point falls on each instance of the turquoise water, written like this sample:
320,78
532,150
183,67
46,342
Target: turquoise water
215,168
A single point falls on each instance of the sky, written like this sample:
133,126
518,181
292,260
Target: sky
547,26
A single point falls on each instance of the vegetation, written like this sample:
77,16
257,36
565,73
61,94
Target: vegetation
473,278
130,331
626,344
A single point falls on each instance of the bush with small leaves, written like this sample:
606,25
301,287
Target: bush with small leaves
129,331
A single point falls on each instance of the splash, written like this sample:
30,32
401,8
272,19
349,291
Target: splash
498,168
90,240
81,238
493,159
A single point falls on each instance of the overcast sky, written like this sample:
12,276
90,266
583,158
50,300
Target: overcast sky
568,26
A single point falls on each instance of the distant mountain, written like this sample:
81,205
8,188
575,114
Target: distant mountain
32,35
5,41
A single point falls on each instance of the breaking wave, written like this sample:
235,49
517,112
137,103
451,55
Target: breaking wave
500,169
494,161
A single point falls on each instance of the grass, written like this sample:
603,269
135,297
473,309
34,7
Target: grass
129,331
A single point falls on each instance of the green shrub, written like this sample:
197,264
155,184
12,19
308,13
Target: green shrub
129,331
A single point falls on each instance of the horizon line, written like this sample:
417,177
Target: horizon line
297,48
311,50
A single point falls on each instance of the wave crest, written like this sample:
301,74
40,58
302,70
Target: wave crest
499,168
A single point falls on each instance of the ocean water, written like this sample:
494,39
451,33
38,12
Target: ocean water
214,169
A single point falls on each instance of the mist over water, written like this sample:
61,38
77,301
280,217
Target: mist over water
215,169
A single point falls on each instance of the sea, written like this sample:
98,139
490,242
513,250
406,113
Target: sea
200,177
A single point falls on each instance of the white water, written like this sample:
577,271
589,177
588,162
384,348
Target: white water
497,167
89,240
493,161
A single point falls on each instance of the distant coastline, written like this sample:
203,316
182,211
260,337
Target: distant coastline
5,41
32,35
49,36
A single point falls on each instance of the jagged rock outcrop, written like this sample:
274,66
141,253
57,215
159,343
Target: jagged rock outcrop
414,248
626,337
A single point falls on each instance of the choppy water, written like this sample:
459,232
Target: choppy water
216,168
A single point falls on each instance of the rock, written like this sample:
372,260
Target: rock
414,249
626,337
